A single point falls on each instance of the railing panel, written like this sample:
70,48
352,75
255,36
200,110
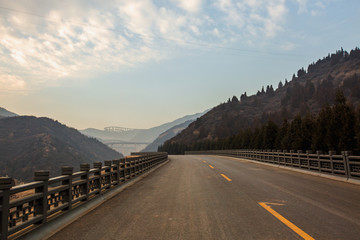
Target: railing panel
345,165
33,203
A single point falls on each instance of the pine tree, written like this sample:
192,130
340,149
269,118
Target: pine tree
321,125
296,136
280,85
270,135
307,128
282,141
343,123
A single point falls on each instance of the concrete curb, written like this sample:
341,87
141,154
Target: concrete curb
318,174
48,229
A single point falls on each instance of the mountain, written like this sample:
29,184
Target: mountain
104,135
136,135
308,91
29,143
149,135
172,132
6,113
126,140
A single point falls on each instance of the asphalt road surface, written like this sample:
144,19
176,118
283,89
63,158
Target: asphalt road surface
212,197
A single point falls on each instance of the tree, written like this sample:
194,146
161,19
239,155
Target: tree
262,90
280,85
296,135
234,99
269,89
343,123
270,135
307,128
301,72
283,136
321,125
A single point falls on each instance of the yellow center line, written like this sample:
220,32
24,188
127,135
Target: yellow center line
211,166
226,177
300,232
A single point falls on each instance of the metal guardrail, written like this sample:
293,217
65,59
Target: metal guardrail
49,198
345,164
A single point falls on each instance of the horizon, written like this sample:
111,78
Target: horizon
95,65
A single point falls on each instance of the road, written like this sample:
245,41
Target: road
212,197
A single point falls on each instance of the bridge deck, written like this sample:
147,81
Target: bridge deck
211,197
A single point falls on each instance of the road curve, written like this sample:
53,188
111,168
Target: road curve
212,197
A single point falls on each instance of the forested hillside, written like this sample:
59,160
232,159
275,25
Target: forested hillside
29,143
309,95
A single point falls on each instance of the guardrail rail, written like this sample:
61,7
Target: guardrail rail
344,164
48,198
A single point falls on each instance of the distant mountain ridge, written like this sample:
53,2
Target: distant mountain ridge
308,91
6,113
30,143
170,133
137,135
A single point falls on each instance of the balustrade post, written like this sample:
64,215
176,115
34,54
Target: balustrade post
132,167
331,153
136,162
67,194
116,171
299,152
278,156
108,173
127,174
123,169
308,152
141,162
85,167
98,166
5,185
319,152
347,163
41,205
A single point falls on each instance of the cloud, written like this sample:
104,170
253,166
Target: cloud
45,43
254,17
11,83
192,6
302,6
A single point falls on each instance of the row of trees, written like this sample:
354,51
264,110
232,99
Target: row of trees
335,127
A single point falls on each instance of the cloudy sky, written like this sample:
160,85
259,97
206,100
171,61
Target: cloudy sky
141,63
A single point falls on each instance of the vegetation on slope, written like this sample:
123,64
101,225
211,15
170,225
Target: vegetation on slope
29,143
335,128
305,95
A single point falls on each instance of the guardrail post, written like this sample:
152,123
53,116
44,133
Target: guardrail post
318,153
116,170
98,166
299,152
67,194
123,168
346,155
41,205
278,156
141,162
108,171
292,157
308,152
331,153
5,185
85,167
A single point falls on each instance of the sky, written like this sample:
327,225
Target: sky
142,63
